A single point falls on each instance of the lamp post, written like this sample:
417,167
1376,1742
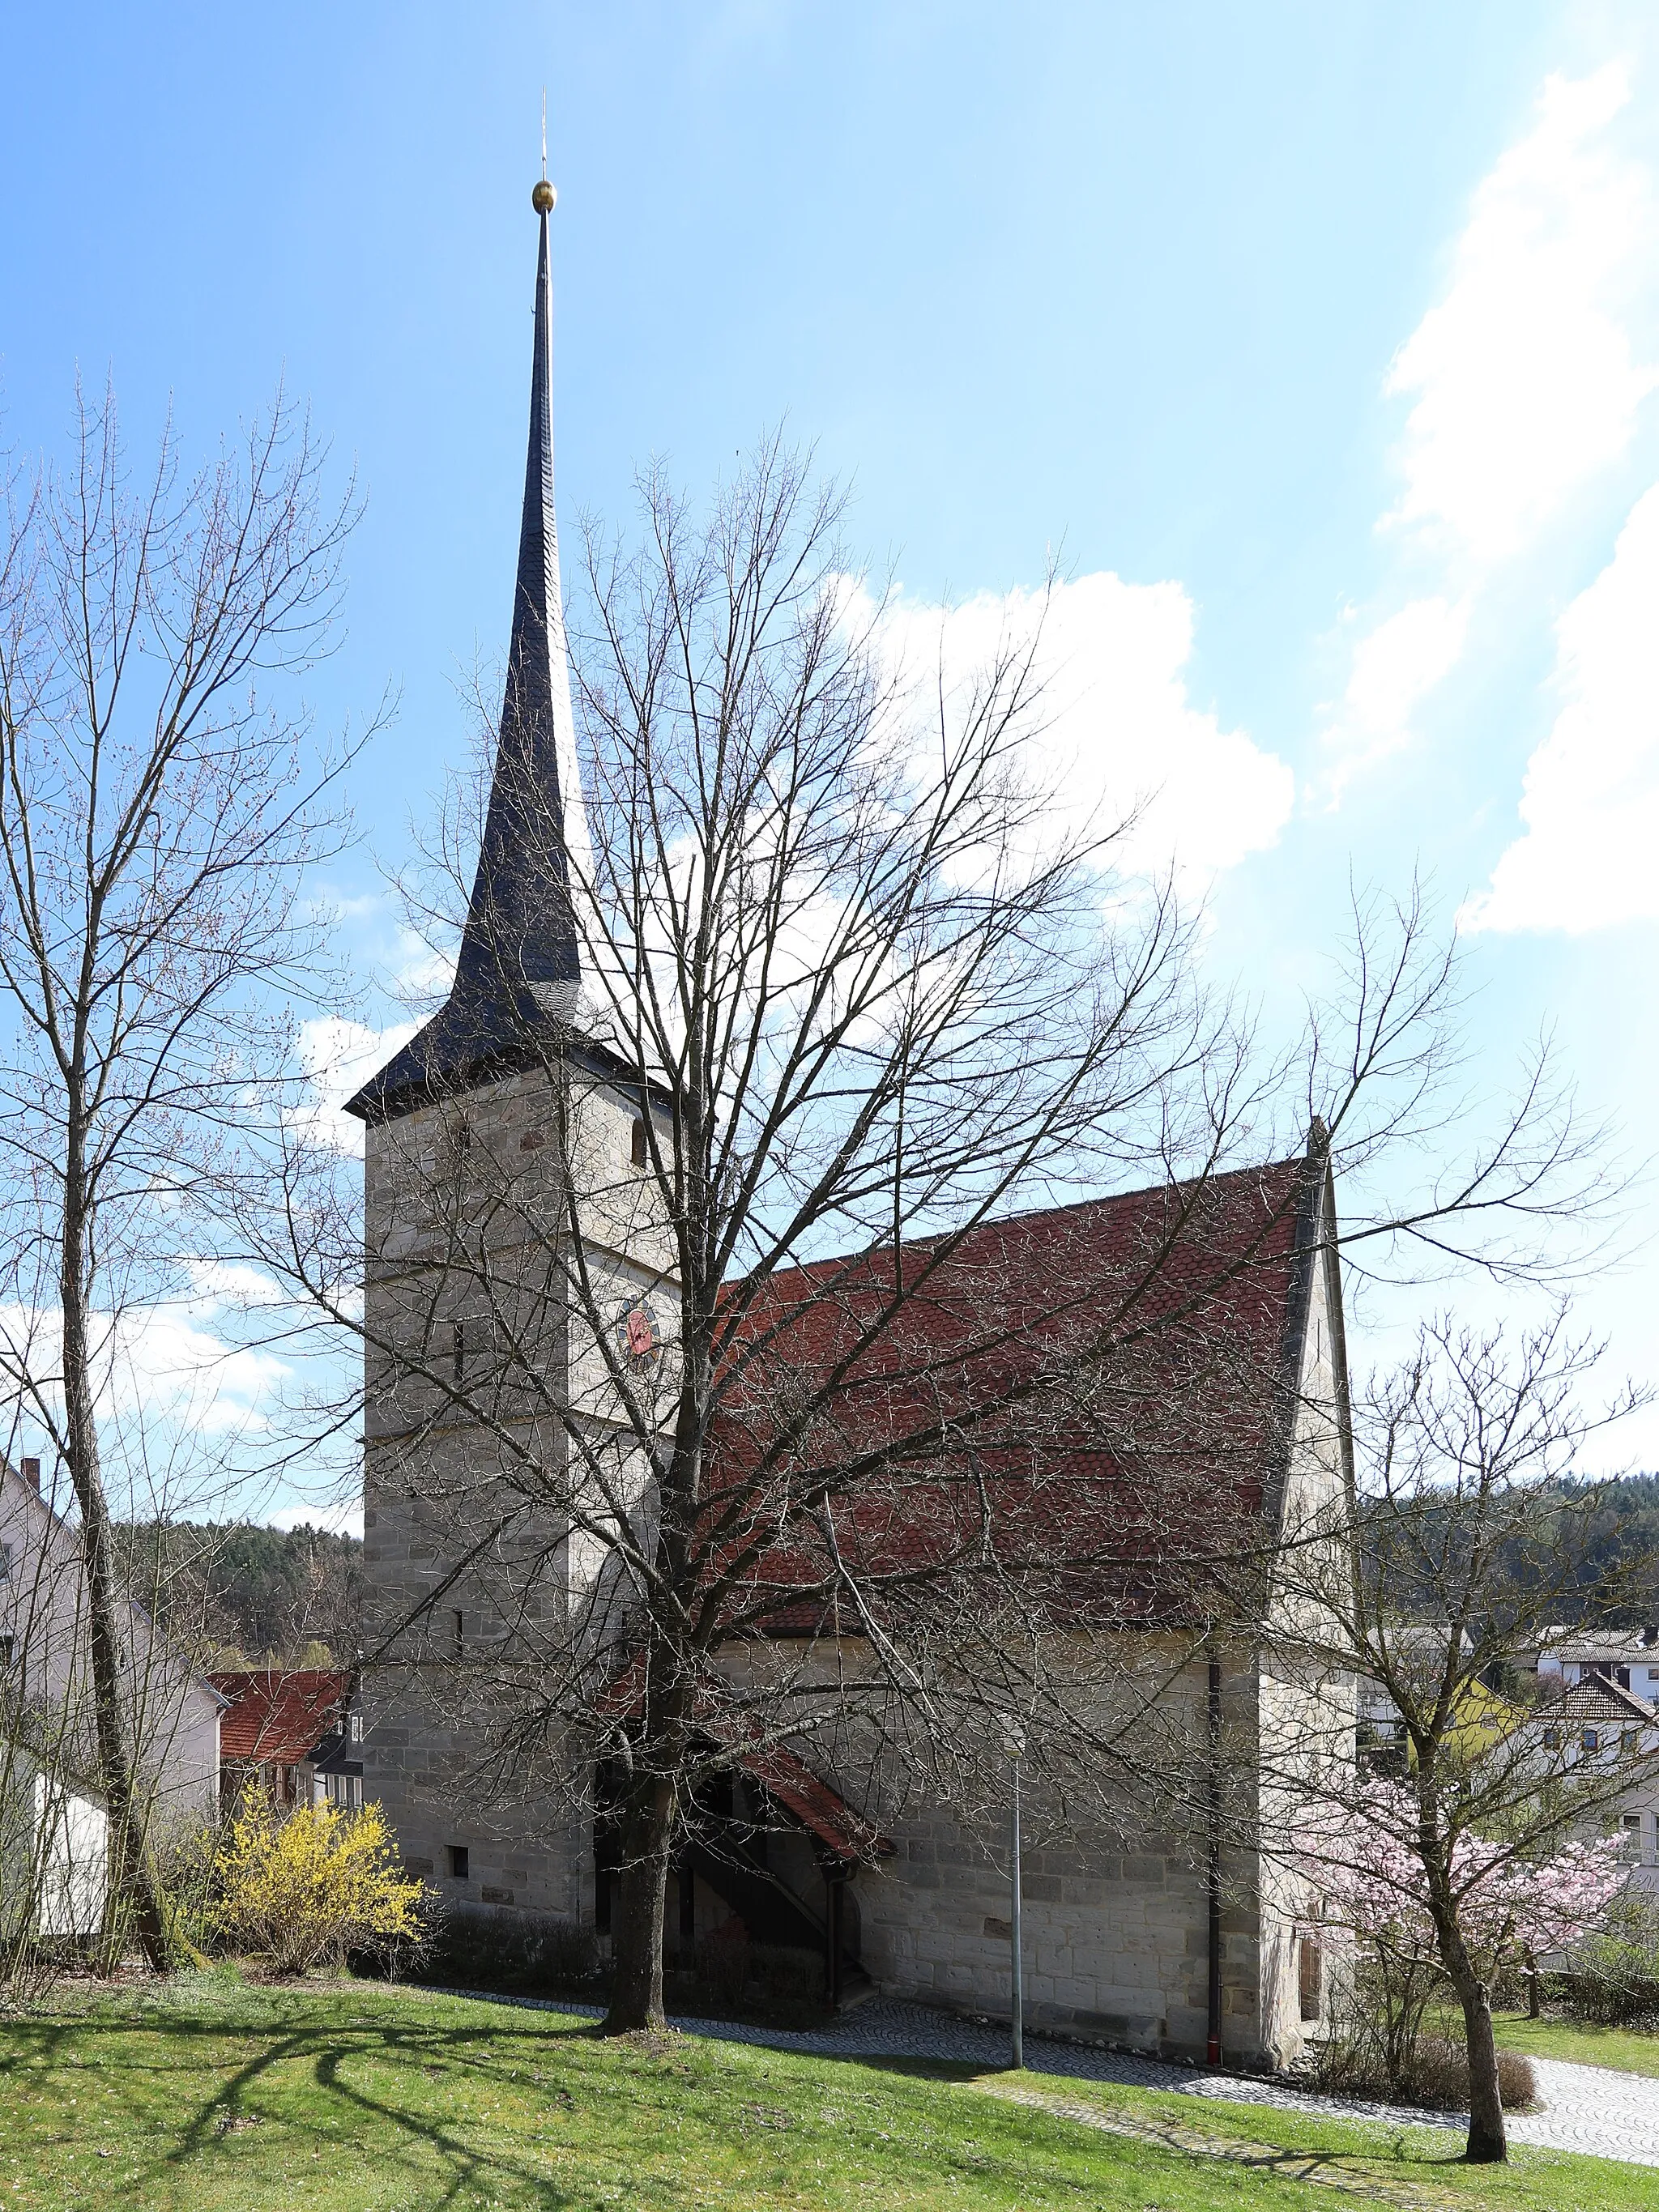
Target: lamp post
1013,1743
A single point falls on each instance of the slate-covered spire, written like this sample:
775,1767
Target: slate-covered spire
519,928
520,971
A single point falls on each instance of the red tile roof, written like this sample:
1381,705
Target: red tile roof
816,1805
1097,1389
813,1801
278,1717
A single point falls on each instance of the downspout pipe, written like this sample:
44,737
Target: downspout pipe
1213,2046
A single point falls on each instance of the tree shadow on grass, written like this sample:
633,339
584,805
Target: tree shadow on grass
337,2110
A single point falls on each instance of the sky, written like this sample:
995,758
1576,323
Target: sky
1319,345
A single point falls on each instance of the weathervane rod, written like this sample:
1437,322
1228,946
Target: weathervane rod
543,134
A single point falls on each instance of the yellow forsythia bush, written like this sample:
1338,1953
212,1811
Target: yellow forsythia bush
306,1888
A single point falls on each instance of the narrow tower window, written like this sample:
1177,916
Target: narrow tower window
458,1862
639,1151
460,1351
459,1620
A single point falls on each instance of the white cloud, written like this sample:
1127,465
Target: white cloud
1394,668
1523,378
338,1057
163,1363
1590,803
1118,728
1523,384
341,1516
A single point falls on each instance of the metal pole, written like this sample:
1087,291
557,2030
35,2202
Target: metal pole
1014,1945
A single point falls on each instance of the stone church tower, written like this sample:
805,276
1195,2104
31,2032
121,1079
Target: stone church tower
483,1134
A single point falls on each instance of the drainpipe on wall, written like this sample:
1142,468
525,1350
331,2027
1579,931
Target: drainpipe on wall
1212,2049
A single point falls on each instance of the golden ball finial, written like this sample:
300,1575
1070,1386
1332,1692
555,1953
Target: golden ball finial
544,199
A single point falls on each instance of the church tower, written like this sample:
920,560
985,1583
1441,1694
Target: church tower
513,1242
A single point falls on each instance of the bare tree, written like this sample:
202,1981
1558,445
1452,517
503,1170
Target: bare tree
687,1304
1452,1554
157,816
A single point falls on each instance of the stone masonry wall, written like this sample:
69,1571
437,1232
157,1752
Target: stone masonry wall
454,1193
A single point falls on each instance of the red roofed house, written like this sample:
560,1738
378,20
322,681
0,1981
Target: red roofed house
279,1729
1123,1388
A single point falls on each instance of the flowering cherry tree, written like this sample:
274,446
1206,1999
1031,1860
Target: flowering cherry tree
1367,1866
1396,1900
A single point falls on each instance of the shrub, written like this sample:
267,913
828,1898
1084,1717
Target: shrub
1614,1975
1433,2072
724,1960
478,1947
309,1889
1437,2077
788,1976
1381,2045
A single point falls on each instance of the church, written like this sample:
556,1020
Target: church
481,1367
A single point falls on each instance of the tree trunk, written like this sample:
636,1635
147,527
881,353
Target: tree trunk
1488,2143
132,1887
636,1923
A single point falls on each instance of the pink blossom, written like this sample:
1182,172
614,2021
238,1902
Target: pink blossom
1363,1861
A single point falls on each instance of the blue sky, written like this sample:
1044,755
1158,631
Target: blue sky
1321,340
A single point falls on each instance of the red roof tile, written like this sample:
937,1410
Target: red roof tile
1097,1388
278,1717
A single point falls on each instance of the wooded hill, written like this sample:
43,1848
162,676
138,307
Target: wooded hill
247,1595
251,1595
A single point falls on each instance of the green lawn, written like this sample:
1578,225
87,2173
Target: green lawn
1621,2047
214,2094
1424,2159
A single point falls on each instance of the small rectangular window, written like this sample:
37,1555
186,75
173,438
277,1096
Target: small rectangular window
1311,1978
355,1727
5,1561
6,1648
1552,1739
458,1624
639,1154
1591,1740
457,1856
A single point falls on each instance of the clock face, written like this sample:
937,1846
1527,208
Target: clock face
639,1334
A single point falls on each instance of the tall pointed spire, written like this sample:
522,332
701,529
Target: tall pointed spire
519,928
519,964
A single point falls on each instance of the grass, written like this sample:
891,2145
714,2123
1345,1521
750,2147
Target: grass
1625,2048
1422,2162
214,2094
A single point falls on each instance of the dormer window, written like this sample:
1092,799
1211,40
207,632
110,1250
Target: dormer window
354,1728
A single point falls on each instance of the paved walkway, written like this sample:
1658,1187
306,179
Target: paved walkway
1584,2108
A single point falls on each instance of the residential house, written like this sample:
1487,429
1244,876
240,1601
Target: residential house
172,1710
283,1732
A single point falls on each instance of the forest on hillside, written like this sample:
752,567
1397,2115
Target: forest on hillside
293,1596
245,1596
